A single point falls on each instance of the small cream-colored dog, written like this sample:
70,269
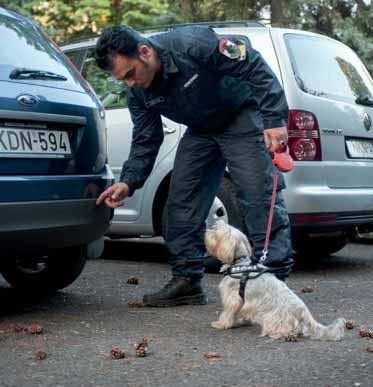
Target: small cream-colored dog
267,300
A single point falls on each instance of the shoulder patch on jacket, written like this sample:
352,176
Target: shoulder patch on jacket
232,50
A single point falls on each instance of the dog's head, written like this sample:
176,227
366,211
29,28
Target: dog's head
226,243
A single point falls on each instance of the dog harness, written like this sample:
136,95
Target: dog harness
244,270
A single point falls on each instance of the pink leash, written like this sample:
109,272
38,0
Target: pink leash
284,163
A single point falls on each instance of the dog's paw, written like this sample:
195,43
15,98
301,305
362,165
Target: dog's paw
218,325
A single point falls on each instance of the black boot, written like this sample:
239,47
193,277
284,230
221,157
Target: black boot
179,291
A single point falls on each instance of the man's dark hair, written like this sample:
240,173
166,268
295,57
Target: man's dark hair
114,40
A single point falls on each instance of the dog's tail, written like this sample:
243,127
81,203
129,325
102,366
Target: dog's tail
317,331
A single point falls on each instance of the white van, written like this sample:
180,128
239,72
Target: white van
329,194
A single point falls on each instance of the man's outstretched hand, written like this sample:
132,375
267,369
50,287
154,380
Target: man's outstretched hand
114,196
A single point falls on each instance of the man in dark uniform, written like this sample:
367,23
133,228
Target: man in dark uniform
234,108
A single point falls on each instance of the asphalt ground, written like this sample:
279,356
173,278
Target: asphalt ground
82,323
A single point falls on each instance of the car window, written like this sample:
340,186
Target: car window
326,68
73,56
112,93
23,45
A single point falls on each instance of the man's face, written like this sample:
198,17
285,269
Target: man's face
135,72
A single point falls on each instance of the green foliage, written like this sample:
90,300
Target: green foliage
212,10
143,13
16,6
65,19
350,21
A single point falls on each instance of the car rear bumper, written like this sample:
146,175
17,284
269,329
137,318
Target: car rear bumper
314,205
308,190
331,222
27,188
50,225
44,213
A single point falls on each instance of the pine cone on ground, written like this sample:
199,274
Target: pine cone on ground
141,348
116,353
135,304
350,324
366,332
291,338
133,281
34,329
41,355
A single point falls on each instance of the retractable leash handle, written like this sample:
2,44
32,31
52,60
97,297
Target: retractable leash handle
284,163
282,160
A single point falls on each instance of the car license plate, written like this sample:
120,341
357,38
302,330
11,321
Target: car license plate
360,148
15,142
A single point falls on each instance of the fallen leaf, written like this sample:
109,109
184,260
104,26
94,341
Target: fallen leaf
135,304
18,328
212,355
307,289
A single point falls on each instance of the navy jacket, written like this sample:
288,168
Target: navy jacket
202,88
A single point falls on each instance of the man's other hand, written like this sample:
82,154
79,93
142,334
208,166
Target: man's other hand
114,196
276,138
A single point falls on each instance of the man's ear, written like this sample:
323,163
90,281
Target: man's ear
145,51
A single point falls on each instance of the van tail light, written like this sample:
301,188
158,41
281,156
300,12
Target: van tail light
304,136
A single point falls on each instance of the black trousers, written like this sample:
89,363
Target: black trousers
200,163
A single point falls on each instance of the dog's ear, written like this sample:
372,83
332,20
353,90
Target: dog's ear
243,247
210,242
226,248
247,246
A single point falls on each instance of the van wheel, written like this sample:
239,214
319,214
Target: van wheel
319,246
46,273
225,207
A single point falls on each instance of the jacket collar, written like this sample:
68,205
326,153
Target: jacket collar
168,63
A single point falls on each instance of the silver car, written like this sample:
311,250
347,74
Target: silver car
329,194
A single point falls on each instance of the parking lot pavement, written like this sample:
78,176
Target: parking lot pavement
85,321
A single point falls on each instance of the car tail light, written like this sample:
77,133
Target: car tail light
304,136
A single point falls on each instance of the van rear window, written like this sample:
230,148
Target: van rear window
326,68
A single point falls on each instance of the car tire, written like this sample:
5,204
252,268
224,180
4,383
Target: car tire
319,246
227,208
45,274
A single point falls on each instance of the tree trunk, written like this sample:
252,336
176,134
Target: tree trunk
277,12
116,7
